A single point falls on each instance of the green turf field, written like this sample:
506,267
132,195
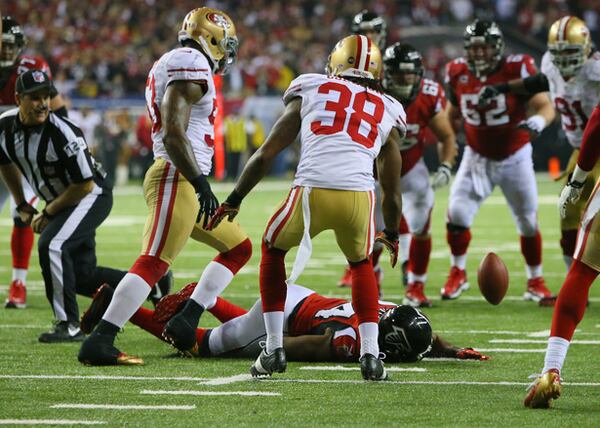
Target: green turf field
45,382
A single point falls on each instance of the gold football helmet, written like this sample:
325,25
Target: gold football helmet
214,31
569,44
355,56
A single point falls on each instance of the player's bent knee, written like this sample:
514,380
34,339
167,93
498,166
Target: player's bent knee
149,268
237,257
527,224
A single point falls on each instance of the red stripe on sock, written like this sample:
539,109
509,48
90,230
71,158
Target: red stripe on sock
365,295
273,289
21,243
531,248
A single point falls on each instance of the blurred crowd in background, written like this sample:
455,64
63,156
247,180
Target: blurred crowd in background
100,49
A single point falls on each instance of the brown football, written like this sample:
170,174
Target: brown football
492,277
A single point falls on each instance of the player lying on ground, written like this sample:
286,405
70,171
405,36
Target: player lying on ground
573,297
318,328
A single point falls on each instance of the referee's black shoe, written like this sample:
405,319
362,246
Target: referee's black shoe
162,288
63,331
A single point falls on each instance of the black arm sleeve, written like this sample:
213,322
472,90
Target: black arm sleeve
536,83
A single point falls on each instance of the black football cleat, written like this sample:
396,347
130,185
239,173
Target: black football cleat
94,313
98,350
63,332
372,368
180,333
267,364
162,288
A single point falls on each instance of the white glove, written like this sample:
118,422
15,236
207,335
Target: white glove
534,124
569,195
441,177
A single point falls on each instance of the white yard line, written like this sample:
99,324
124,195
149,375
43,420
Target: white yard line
213,393
227,380
48,422
533,341
421,382
99,377
348,369
122,406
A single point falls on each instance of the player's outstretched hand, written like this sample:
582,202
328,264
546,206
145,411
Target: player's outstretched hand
206,199
486,95
224,210
441,178
470,354
390,241
569,195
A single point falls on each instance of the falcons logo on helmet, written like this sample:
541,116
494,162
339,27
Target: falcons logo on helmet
397,340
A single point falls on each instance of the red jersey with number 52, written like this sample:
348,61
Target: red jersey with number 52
26,63
318,313
343,128
429,101
492,132
184,64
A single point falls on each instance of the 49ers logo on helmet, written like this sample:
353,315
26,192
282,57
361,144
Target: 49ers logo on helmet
219,20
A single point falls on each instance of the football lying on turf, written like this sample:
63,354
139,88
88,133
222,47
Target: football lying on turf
492,277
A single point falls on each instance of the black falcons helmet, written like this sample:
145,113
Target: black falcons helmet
404,334
484,32
401,58
14,40
369,21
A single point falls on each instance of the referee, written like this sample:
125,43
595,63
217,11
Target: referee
51,153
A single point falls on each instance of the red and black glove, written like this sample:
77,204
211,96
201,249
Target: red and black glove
230,208
470,354
390,241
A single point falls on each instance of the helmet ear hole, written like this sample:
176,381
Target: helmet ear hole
213,41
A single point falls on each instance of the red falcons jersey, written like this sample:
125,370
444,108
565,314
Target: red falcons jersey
429,101
492,132
318,313
25,63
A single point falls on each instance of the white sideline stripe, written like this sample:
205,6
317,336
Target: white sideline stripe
573,342
348,369
122,406
512,350
428,360
213,393
98,377
48,422
227,380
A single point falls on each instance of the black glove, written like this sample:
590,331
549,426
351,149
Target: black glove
486,95
206,198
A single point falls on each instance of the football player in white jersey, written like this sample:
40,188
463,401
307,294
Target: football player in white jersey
181,101
571,73
345,122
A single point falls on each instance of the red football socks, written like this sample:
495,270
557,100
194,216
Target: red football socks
365,295
572,300
420,251
224,310
21,243
273,289
458,241
531,247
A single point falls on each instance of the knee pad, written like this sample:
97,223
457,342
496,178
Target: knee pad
150,269
527,224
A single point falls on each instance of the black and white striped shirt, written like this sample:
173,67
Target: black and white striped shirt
50,156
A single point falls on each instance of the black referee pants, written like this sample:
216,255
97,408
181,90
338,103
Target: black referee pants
67,252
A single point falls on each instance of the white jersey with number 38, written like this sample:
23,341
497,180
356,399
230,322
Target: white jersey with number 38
575,98
343,128
189,65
